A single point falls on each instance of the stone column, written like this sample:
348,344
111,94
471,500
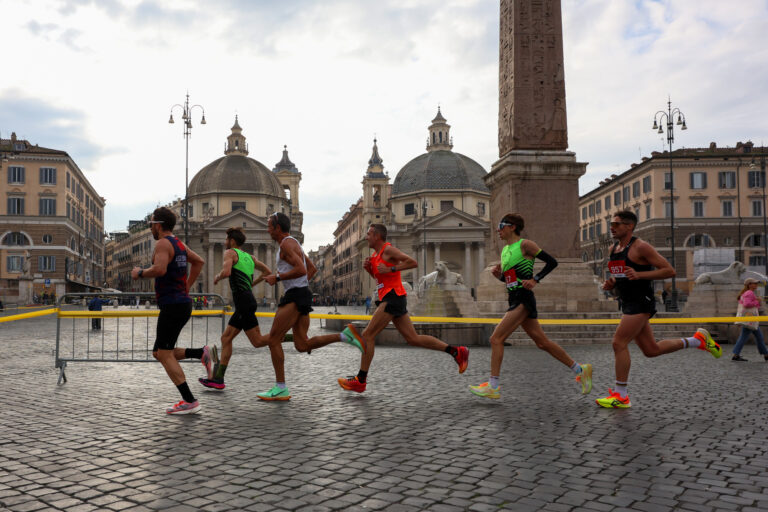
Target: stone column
437,251
469,273
268,292
480,257
209,262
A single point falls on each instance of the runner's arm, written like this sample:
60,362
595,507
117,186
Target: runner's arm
196,265
265,271
160,259
663,268
292,254
532,250
226,266
311,268
397,259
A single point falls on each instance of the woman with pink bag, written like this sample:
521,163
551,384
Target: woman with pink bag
748,306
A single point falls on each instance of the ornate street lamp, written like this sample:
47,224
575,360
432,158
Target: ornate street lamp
186,117
658,119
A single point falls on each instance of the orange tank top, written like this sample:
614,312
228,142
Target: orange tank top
388,281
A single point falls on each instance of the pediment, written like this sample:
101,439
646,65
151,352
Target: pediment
236,218
454,219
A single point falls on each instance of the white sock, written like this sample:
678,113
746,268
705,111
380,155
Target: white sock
576,367
343,337
691,342
281,385
621,389
493,382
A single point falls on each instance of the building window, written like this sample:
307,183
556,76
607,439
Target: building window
591,232
698,241
15,238
728,240
637,213
698,208
756,261
598,206
607,203
726,179
648,212
668,209
617,198
599,228
68,178
625,195
47,176
410,209
14,263
585,257
698,180
16,175
47,207
481,209
667,181
584,235
46,263
238,205
15,206
727,208
757,208
47,239
446,205
636,189
755,241
646,184
756,179
584,213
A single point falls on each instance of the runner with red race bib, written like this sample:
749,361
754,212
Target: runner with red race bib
633,264
516,271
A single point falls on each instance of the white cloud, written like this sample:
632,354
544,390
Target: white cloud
323,77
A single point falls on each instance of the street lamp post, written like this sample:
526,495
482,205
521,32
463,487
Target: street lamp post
668,117
186,117
765,228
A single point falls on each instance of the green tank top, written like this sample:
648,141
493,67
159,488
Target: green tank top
515,266
241,277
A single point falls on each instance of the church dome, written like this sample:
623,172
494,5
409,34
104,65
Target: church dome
439,170
235,172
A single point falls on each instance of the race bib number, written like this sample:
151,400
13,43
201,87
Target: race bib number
617,268
510,277
380,286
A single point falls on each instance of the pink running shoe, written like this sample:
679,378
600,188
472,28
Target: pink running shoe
217,384
207,361
184,408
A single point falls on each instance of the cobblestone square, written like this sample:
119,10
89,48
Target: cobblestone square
415,440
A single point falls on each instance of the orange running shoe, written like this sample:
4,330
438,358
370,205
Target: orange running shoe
462,358
352,384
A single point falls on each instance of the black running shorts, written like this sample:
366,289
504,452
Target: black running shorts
302,297
172,319
524,297
244,317
638,306
396,304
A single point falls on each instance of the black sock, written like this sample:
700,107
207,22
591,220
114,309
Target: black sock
220,371
193,353
361,375
186,394
452,350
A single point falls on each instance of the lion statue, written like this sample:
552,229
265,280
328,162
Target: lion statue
441,276
736,273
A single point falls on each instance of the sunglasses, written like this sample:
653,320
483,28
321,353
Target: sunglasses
617,224
154,222
502,224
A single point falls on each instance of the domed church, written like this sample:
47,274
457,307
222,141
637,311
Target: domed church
238,191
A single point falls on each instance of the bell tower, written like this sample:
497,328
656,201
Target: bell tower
376,190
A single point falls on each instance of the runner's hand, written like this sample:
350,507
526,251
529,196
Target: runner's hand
631,274
528,284
496,271
609,283
271,279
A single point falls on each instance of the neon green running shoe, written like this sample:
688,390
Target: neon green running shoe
485,390
614,401
585,379
351,336
275,393
707,343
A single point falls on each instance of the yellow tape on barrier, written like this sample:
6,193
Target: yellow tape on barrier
32,314
129,314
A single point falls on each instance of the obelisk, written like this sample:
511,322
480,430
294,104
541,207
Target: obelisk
535,175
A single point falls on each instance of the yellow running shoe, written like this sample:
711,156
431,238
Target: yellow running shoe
486,390
707,343
585,378
614,401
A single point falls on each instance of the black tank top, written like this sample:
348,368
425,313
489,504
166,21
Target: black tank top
629,291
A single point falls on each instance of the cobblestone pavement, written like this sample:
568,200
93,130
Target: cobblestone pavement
416,440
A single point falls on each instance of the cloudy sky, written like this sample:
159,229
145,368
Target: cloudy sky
97,79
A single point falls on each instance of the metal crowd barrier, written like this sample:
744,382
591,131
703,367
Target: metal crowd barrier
124,331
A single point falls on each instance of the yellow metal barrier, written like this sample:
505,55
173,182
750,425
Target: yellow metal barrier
130,314
32,314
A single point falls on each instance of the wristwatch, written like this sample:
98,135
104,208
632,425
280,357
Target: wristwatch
277,277
393,269
141,272
536,278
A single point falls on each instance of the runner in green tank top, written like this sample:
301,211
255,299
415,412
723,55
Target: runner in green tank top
516,271
239,267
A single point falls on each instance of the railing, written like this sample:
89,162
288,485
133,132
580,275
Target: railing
122,331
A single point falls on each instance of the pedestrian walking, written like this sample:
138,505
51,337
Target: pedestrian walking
749,305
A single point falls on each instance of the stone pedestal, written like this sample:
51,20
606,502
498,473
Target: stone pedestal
445,300
26,290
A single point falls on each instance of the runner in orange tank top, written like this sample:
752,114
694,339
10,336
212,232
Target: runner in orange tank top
385,265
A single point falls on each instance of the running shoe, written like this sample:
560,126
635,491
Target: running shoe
462,358
352,337
276,393
214,354
614,401
352,384
217,384
206,360
485,390
708,343
585,378
184,408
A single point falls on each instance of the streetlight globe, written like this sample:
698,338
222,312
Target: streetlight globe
684,127
655,125
170,119
679,119
660,130
202,121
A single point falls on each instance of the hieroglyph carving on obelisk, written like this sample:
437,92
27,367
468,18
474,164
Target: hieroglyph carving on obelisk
531,77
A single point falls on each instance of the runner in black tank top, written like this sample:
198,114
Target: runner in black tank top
633,265
635,296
